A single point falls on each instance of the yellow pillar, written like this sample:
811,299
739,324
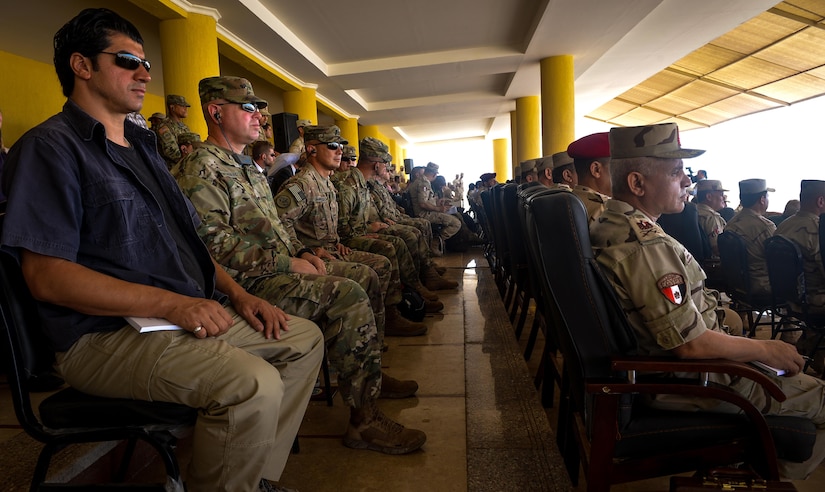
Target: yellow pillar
302,102
349,130
558,103
501,162
189,50
393,145
513,138
365,131
528,128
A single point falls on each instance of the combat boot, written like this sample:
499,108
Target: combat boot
440,269
426,293
395,388
433,281
396,325
369,428
433,306
437,246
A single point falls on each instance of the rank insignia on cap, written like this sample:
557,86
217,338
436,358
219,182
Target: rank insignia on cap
672,286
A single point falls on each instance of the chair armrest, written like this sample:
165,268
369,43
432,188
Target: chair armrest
721,366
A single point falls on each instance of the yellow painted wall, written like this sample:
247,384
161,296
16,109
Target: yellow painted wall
22,80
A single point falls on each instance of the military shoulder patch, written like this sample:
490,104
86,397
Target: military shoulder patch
673,287
644,228
282,201
297,192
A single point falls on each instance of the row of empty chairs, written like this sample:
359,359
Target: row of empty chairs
541,253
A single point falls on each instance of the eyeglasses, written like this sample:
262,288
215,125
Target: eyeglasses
333,145
129,61
247,106
349,159
371,161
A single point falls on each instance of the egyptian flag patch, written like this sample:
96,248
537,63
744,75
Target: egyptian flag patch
672,286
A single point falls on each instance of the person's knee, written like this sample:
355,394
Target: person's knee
247,378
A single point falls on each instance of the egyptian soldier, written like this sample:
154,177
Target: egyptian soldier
660,285
240,226
169,129
591,158
308,208
374,156
356,232
529,173
297,146
426,206
752,226
710,199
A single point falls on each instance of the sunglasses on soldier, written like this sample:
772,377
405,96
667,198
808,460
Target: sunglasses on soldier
349,159
129,61
247,106
333,145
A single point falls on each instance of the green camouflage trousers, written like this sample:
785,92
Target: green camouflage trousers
393,248
368,279
342,309
450,222
417,244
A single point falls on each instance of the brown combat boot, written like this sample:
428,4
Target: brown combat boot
433,306
395,388
396,325
440,269
369,428
433,281
426,293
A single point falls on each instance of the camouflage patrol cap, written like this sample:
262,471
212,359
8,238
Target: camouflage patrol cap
432,168
649,141
710,185
188,138
388,158
372,147
265,111
753,186
349,151
303,123
158,116
561,159
176,99
325,134
543,163
812,187
233,89
528,166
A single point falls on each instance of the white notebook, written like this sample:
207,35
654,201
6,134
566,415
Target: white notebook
768,369
145,325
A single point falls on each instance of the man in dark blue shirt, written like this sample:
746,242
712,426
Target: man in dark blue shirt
102,232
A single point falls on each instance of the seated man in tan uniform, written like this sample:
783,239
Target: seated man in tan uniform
591,158
660,285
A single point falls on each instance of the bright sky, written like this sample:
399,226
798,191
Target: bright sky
781,145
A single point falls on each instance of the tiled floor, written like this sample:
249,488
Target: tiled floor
486,429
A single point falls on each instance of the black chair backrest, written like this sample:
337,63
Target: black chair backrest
499,232
821,238
595,327
734,257
785,271
26,351
513,230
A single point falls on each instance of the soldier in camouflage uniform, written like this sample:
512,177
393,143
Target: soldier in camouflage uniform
750,223
803,229
591,158
356,232
425,204
710,199
660,285
240,227
529,173
374,157
169,129
308,209
348,160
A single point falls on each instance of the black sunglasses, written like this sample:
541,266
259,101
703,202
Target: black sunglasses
129,61
349,159
333,145
248,107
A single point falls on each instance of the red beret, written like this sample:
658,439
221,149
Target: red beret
590,147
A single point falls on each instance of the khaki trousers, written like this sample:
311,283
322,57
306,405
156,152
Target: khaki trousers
251,392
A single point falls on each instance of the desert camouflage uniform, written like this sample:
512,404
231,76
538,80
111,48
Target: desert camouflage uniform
168,132
755,230
712,225
353,202
660,287
240,226
421,191
593,201
383,207
308,208
803,229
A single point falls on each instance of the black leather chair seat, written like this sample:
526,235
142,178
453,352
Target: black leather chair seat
71,408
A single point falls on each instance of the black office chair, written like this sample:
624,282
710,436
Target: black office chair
789,291
611,432
69,416
736,271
